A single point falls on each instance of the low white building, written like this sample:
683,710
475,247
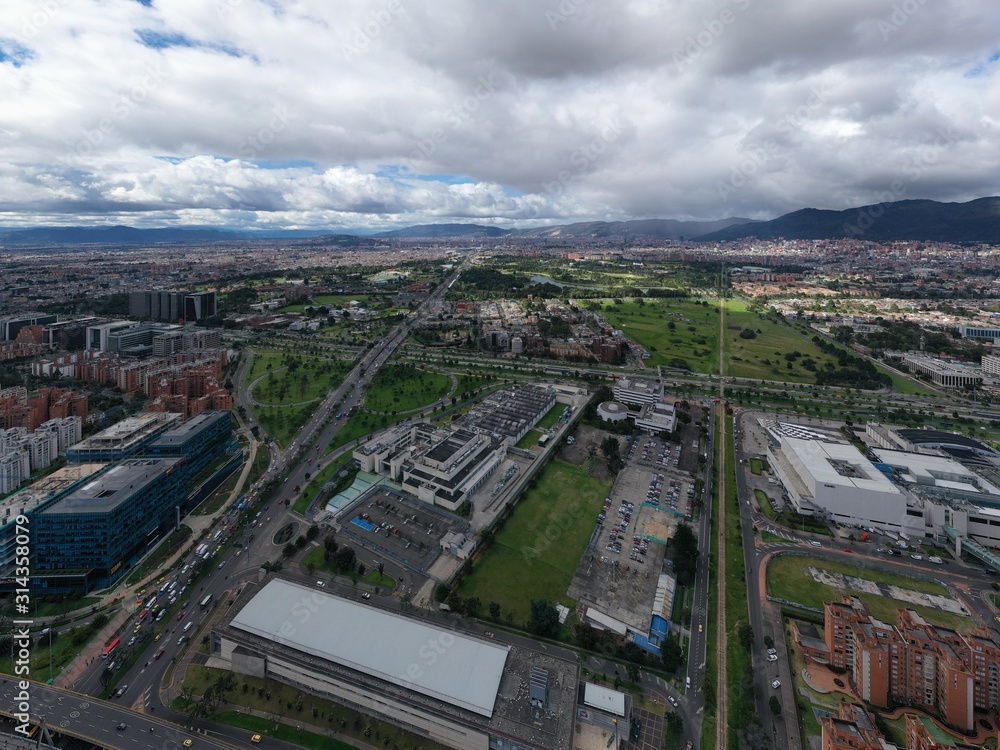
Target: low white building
836,481
660,417
638,391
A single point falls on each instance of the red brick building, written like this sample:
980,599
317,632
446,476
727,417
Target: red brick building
913,663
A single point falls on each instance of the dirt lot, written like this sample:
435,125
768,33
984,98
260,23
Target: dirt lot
586,438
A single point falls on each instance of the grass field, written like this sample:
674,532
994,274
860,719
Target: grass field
404,387
765,504
649,325
283,422
763,357
905,386
317,559
309,381
279,701
787,578
551,417
317,482
360,424
756,466
529,440
536,553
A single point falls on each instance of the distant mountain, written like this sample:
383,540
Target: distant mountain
442,231
118,235
975,221
659,229
663,229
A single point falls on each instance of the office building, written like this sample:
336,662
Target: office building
172,306
201,439
454,688
979,332
124,439
944,373
90,536
11,325
656,418
638,391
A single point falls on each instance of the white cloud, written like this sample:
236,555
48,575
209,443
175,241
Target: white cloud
342,113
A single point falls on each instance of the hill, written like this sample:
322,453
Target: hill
975,221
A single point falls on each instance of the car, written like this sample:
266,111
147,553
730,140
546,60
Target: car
673,701
915,556
814,543
848,549
700,627
158,636
366,595
122,726
776,684
180,616
772,657
158,654
321,584
188,742
772,651
256,739
121,691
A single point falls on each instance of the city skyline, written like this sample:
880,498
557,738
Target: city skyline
244,114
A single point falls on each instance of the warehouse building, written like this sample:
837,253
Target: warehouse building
451,687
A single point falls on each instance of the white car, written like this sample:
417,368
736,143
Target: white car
772,657
776,684
814,543
917,557
673,701
366,595
772,651
320,584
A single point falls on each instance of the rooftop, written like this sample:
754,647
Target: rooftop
177,436
838,464
465,672
114,486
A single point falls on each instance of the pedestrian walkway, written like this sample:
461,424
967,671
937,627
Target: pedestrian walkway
70,674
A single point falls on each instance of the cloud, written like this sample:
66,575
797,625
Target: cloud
388,112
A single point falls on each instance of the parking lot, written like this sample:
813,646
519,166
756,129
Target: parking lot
391,523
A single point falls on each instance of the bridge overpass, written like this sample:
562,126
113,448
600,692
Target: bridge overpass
66,712
973,548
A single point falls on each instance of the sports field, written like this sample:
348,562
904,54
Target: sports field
537,551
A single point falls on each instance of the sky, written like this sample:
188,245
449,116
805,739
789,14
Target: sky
377,114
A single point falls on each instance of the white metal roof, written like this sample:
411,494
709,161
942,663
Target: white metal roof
442,664
604,699
818,459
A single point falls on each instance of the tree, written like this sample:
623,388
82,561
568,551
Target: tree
544,618
671,653
775,705
343,559
288,550
330,548
745,634
472,605
685,554
495,611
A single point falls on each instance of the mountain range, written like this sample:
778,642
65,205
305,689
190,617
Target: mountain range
920,220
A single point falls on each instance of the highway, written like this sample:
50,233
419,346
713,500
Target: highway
156,645
107,724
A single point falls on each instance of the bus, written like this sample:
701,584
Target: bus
109,649
142,616
204,602
200,552
164,588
